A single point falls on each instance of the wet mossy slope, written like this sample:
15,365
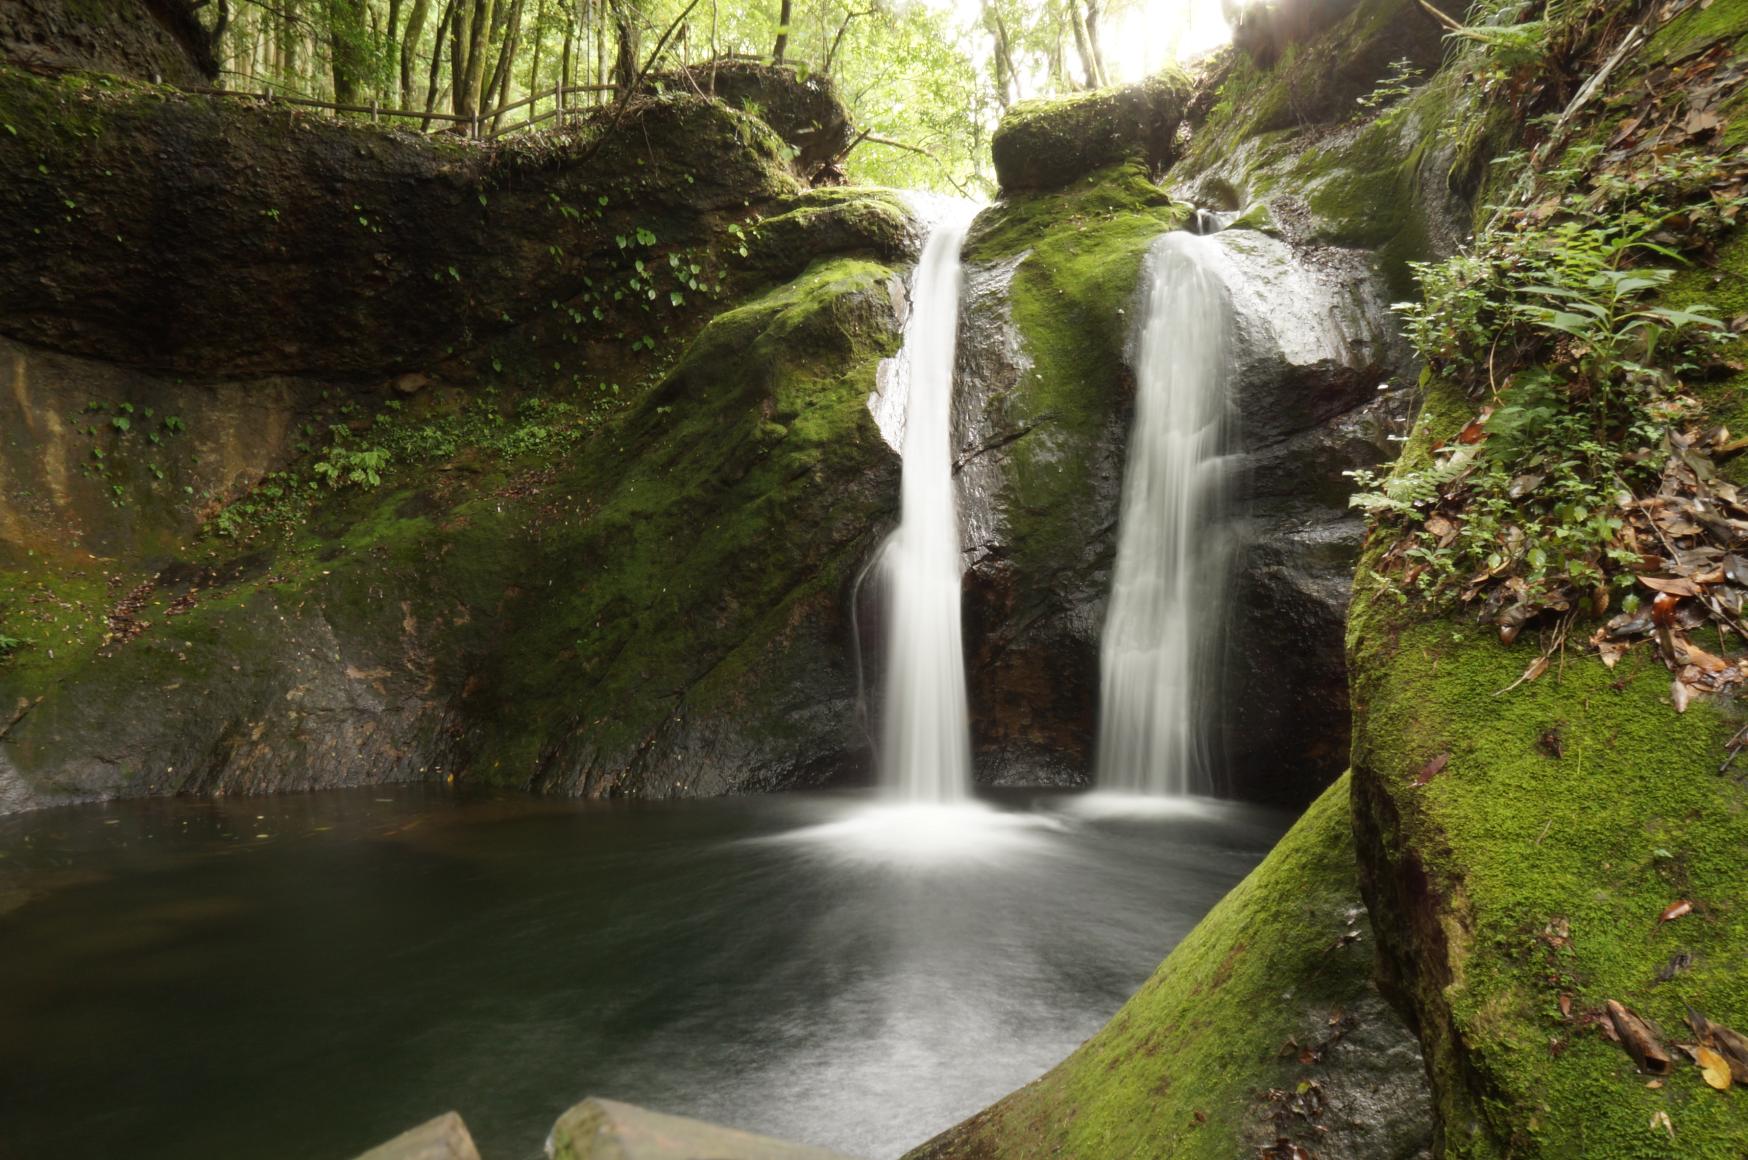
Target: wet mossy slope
1535,849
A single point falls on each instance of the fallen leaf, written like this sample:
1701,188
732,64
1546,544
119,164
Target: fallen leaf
1639,1040
1653,1084
1660,1119
1701,121
1713,1067
1732,1045
1678,695
1694,655
1679,586
1477,427
1678,962
1432,769
1674,911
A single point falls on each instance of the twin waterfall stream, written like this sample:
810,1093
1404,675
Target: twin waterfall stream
927,738
1162,626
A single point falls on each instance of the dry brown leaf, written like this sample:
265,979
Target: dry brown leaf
1679,586
1432,769
1660,1119
1679,695
1694,655
1714,1067
1675,910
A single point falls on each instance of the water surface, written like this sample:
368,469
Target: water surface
304,976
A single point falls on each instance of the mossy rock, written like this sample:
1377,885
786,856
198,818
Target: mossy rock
1048,143
803,107
207,237
660,612
1267,998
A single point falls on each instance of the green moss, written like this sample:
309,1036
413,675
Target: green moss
1049,143
1185,1066
1080,251
1582,800
56,608
1699,27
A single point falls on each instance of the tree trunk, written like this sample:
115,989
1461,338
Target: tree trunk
600,47
392,48
783,15
1081,46
534,65
348,54
1006,76
625,58
1092,38
410,48
459,39
443,25
501,76
473,80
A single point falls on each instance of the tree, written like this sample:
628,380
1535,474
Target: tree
784,15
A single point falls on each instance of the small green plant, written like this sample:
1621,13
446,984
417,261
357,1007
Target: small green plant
1526,506
1392,87
350,467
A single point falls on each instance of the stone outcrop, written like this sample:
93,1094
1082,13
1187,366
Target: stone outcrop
565,487
1322,384
1049,143
804,109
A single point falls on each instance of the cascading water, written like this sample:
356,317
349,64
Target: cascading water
1161,631
926,752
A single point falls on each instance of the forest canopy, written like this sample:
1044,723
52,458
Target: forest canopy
926,81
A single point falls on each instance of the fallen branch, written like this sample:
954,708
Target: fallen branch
1449,24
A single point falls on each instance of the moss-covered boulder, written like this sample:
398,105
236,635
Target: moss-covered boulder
659,609
1048,143
803,107
335,454
1263,1025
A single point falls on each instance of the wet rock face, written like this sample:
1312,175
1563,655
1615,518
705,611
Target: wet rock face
1313,344
1032,640
1320,386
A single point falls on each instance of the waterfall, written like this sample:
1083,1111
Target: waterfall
927,750
1157,667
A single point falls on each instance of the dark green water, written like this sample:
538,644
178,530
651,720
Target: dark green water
305,976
